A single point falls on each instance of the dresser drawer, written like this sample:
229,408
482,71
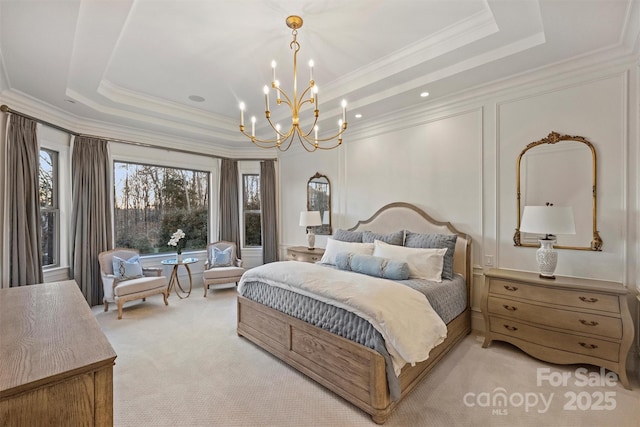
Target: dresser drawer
310,257
580,299
558,340
606,326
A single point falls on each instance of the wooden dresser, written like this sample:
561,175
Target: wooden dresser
304,254
564,321
56,365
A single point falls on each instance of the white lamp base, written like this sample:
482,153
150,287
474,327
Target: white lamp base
311,240
547,258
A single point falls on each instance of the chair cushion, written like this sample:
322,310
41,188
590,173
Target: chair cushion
141,284
125,269
223,272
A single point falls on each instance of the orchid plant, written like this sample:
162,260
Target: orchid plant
175,240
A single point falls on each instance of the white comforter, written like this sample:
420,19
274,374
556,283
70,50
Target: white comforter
404,317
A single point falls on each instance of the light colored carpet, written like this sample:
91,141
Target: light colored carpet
184,365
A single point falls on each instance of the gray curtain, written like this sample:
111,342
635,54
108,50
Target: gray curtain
23,209
91,229
229,199
269,215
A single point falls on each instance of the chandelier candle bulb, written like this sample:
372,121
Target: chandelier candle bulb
315,96
266,97
277,85
253,126
242,114
316,133
273,69
311,72
344,110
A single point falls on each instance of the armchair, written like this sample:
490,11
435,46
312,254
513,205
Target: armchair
222,265
131,281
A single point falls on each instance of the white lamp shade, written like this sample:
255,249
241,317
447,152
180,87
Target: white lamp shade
548,220
310,218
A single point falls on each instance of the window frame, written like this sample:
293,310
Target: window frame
55,205
248,168
157,156
250,211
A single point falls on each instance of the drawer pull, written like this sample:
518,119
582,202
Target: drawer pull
315,258
588,346
293,255
513,328
511,288
589,322
590,300
509,307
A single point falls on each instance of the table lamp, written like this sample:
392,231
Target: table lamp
548,220
310,219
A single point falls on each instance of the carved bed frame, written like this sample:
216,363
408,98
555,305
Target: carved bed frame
353,371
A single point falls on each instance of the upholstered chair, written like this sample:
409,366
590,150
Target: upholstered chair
126,280
222,266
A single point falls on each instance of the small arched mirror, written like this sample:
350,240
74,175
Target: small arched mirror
559,170
319,199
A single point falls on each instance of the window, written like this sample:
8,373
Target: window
49,208
251,209
152,202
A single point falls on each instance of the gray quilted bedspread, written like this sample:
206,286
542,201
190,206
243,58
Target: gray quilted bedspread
448,299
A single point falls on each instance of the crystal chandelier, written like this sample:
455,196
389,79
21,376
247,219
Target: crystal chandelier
282,139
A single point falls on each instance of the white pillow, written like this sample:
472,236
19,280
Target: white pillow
334,247
423,263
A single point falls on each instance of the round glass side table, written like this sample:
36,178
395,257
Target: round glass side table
174,281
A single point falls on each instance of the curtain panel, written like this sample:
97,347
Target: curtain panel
269,213
229,200
91,227
23,208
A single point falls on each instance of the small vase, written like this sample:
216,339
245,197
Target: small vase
179,257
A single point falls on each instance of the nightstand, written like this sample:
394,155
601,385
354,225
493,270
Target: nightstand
304,254
567,320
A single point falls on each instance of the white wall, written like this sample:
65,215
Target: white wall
595,109
457,161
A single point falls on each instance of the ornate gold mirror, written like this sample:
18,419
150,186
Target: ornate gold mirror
559,170
319,199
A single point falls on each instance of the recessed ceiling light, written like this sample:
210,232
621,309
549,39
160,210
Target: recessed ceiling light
196,98
424,94
358,116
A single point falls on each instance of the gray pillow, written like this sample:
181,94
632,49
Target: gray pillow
348,236
373,266
391,238
417,240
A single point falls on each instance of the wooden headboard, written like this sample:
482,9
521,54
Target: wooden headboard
405,216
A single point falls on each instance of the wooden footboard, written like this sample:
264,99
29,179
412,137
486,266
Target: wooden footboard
352,371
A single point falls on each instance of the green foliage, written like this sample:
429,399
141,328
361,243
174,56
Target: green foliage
152,202
194,225
253,229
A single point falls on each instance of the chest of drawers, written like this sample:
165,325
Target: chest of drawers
567,320
304,254
57,365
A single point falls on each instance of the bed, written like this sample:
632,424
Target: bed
354,371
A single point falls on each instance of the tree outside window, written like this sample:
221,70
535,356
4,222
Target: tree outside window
152,202
49,208
252,210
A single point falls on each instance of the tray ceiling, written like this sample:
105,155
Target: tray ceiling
140,63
